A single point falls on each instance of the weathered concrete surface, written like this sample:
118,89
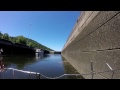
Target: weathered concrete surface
95,37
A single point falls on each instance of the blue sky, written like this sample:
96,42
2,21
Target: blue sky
50,28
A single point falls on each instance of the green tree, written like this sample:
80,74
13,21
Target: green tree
1,35
30,44
21,40
6,36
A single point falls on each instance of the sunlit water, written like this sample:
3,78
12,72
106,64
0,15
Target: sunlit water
50,65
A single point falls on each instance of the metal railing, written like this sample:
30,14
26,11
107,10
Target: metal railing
40,76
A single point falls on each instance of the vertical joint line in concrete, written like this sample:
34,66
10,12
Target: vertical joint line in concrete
92,73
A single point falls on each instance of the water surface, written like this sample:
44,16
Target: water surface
50,65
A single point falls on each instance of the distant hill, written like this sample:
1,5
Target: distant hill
23,40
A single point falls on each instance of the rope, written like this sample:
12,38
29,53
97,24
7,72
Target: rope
42,74
38,75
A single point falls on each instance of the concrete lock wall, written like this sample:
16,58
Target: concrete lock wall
95,37
10,48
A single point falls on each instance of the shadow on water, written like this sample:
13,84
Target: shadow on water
69,69
19,61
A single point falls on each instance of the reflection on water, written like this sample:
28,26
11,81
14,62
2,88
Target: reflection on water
50,65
